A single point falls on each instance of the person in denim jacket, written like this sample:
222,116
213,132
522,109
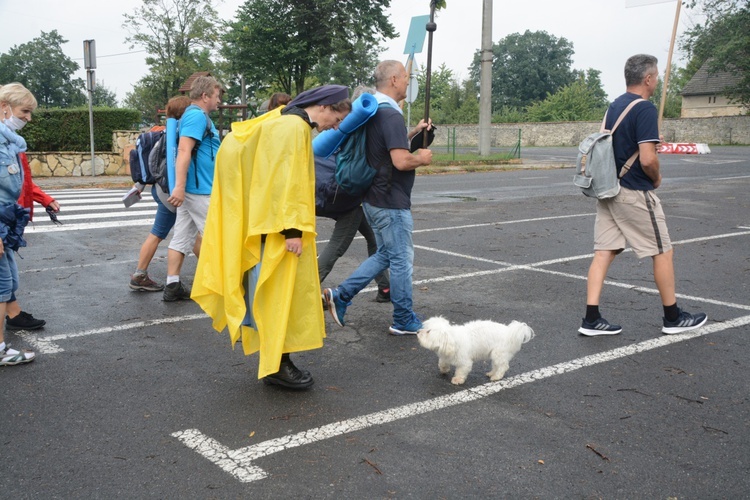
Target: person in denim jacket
16,105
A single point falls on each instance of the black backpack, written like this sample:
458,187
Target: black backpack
157,164
144,144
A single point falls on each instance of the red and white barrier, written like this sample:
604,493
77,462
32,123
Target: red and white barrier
683,148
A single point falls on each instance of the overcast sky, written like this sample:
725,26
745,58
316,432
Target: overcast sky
604,33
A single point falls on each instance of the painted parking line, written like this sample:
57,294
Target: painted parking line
48,345
240,463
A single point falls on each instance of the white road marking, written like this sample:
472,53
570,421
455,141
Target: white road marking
150,203
90,225
47,345
240,462
106,215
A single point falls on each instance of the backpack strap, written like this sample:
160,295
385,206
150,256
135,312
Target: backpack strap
625,168
197,144
623,114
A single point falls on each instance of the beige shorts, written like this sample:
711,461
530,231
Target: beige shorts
191,217
635,218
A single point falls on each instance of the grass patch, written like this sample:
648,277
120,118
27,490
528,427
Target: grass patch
445,159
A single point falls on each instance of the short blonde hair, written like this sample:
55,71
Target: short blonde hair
16,94
204,85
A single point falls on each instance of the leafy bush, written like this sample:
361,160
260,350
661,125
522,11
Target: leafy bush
68,129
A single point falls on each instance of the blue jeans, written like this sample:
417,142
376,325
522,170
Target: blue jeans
392,228
164,219
8,276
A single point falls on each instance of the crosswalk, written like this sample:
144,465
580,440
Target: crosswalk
84,209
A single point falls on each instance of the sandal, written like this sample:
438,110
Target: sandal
10,357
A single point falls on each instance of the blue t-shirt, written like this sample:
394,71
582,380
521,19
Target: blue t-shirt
200,175
386,131
640,125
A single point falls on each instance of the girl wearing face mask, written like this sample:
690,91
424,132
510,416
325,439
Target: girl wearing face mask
16,105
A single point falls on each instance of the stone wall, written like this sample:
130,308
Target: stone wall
76,164
712,130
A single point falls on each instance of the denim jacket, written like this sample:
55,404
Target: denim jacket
11,173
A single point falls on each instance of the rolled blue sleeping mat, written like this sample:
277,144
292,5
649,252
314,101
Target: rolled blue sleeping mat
171,150
329,141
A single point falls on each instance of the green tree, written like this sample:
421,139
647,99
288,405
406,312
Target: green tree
352,68
450,100
724,41
526,67
103,97
582,100
281,42
677,80
179,36
42,67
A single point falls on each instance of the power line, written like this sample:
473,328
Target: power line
114,55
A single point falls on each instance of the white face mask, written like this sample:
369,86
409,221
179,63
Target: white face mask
14,122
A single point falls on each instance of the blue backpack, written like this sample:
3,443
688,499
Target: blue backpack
353,173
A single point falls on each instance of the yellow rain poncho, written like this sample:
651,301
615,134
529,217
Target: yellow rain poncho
264,182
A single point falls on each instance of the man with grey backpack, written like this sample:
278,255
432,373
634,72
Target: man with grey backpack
635,216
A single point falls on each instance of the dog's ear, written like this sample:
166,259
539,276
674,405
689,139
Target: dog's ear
447,345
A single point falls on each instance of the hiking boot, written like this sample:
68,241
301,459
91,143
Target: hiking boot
599,327
176,291
411,329
384,295
10,357
290,376
143,283
336,306
684,322
24,321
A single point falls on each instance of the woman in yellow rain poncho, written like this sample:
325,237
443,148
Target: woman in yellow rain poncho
258,274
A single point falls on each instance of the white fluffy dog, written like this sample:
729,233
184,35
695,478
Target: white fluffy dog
461,345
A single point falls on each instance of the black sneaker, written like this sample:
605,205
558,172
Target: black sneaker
24,321
599,327
684,322
384,295
176,291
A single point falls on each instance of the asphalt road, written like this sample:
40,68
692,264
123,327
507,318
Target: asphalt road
131,397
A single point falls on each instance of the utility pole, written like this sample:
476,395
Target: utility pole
89,61
485,82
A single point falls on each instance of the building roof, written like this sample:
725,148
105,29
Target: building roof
704,83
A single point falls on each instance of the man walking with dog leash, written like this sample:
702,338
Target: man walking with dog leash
635,215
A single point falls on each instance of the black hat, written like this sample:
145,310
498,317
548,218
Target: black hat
325,95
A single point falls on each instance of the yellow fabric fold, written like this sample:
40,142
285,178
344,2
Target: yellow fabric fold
264,182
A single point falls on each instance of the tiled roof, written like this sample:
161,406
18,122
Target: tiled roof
704,83
186,86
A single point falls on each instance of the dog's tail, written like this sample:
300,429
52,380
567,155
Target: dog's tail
523,330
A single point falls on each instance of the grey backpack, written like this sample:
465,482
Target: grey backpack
596,170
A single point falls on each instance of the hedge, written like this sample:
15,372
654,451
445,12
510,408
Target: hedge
68,129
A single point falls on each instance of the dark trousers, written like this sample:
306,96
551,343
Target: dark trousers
344,230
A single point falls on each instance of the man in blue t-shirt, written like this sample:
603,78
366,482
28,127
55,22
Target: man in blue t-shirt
194,174
387,204
635,215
